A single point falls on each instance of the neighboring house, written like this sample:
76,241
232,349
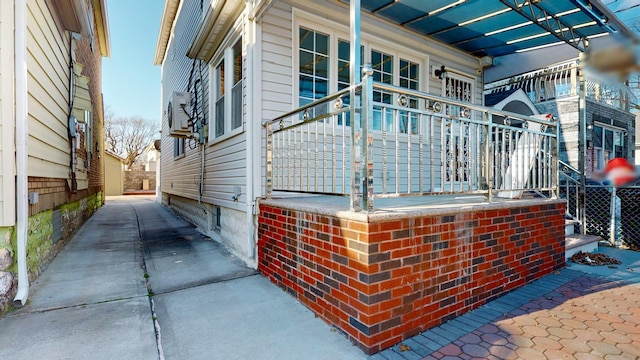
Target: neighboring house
113,174
51,130
610,126
256,102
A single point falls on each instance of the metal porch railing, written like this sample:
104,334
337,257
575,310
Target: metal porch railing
417,144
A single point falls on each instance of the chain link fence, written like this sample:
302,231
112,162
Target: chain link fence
625,214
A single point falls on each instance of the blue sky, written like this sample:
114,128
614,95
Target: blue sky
130,81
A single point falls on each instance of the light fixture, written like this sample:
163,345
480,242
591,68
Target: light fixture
440,73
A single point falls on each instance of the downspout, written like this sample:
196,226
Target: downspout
252,124
22,153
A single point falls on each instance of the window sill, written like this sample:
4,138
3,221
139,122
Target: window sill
225,137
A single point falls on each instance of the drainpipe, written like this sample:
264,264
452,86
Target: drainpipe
21,136
251,202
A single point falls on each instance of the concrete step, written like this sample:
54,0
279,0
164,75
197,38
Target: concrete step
576,242
570,226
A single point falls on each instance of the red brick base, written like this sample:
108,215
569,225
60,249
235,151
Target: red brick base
381,280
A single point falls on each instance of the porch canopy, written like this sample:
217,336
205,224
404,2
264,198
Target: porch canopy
505,28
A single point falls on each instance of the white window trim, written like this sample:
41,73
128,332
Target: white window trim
338,32
225,53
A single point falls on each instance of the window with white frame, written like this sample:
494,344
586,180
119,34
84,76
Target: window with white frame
226,92
608,143
322,71
178,147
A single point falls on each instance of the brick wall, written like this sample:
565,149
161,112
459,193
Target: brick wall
382,280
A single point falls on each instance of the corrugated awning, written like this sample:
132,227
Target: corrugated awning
496,27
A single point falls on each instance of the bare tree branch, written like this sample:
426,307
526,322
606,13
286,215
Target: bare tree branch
128,136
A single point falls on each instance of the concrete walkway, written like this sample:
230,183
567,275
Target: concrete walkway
93,301
137,282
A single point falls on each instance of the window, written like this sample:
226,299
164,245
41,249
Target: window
313,67
324,67
608,143
226,92
178,147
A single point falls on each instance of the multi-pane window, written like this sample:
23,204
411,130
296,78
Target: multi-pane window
227,91
409,78
608,143
321,72
236,90
344,71
314,65
219,95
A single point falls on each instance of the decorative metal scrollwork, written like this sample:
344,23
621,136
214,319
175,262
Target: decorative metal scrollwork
437,107
507,121
339,103
305,115
465,113
403,100
525,125
543,127
281,124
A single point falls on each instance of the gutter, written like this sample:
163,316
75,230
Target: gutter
22,153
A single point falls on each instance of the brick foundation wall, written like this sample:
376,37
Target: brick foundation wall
382,280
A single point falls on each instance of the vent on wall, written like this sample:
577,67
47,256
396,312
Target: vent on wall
57,225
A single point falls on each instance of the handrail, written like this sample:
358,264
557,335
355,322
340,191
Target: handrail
470,106
422,150
311,104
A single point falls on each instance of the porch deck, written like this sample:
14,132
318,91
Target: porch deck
395,207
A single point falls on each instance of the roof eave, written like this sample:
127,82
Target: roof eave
166,24
102,25
217,21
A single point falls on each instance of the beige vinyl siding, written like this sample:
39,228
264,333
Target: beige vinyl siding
47,63
7,159
224,160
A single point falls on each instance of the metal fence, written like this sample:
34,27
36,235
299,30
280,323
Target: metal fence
612,214
408,143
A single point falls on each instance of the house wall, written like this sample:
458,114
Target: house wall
223,161
382,279
567,112
7,158
48,102
59,211
279,92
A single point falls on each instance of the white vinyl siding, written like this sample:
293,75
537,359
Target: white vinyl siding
48,102
224,158
411,52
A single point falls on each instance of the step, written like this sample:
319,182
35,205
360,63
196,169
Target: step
575,243
569,226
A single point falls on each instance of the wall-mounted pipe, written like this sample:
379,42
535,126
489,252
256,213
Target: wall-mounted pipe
22,153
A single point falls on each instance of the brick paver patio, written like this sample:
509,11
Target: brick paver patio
568,315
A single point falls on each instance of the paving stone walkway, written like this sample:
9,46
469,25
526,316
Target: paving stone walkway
567,315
